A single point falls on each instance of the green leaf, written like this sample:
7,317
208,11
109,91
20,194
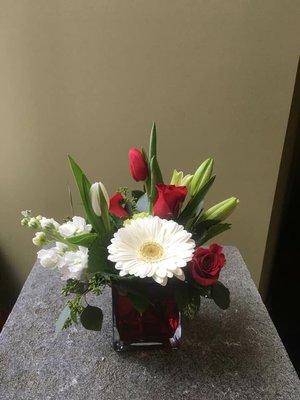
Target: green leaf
152,144
140,303
212,232
92,318
142,204
62,319
97,259
221,295
156,170
84,185
78,173
191,208
85,239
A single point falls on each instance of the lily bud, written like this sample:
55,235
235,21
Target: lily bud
178,179
201,176
97,193
220,211
138,165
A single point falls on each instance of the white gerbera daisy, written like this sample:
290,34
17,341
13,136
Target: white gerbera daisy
152,247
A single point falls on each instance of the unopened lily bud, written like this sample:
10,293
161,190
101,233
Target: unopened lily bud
201,176
220,211
39,239
178,179
97,193
33,223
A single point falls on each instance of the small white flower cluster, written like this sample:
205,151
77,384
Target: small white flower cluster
72,264
71,260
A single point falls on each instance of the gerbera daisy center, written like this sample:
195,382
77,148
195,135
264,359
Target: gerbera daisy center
151,251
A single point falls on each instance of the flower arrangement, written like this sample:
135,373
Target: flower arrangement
145,244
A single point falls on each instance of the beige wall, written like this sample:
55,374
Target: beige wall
88,77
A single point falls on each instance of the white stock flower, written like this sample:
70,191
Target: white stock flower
75,263
152,247
39,239
48,222
77,226
53,257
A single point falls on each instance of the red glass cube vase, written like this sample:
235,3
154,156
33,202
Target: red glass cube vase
159,326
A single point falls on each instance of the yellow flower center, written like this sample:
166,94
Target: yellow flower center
151,251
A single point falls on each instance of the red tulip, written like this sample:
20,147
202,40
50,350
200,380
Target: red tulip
138,165
115,206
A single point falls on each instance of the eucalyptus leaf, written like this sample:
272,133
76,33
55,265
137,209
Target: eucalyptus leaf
221,295
62,319
143,203
92,318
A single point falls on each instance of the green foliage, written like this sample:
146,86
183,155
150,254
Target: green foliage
91,318
190,211
85,239
212,232
221,295
73,286
84,185
206,230
97,283
97,259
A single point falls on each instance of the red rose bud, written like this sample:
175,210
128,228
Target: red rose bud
206,264
138,165
115,206
168,201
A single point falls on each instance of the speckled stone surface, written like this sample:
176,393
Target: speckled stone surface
232,354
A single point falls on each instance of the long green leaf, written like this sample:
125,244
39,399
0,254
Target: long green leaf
84,185
152,144
97,259
212,232
190,209
85,239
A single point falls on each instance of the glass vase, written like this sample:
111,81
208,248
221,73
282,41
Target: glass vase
159,326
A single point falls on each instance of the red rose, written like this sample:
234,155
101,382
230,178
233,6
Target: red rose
138,165
206,264
115,206
168,201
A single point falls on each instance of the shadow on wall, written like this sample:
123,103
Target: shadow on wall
8,290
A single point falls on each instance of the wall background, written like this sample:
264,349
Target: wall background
89,77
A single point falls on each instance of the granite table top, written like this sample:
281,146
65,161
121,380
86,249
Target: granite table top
231,354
